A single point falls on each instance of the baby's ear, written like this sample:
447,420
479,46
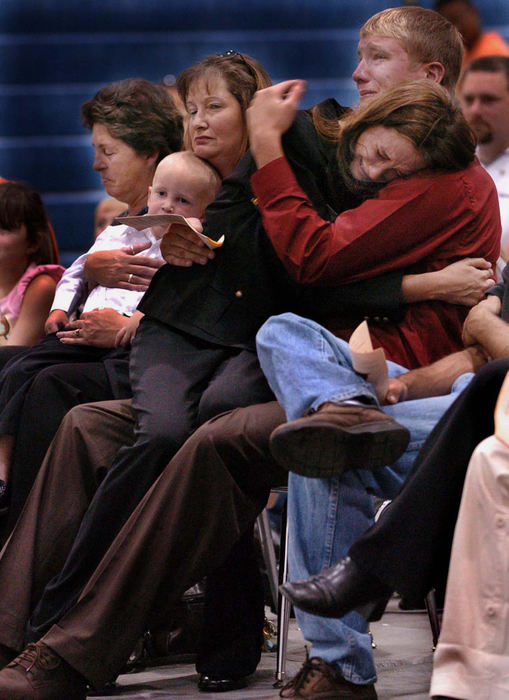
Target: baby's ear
149,190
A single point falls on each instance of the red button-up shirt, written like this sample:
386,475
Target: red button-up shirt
420,223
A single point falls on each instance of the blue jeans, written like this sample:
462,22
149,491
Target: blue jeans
306,366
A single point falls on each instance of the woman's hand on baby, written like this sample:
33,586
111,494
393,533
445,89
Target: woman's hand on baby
181,247
123,267
464,282
98,327
56,320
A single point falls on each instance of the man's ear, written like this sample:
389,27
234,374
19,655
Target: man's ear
435,71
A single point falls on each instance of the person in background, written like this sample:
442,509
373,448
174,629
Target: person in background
484,96
169,82
471,661
29,269
466,17
107,210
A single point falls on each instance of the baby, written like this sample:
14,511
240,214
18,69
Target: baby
183,184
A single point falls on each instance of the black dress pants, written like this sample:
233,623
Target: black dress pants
409,547
7,352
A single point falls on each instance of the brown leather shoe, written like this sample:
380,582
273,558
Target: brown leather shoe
41,674
336,438
319,680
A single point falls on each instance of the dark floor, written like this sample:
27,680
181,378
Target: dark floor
403,656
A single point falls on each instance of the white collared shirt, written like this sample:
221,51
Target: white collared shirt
499,171
73,287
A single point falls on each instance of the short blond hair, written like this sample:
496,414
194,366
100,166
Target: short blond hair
207,177
425,35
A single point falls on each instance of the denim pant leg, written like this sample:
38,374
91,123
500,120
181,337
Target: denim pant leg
306,365
327,515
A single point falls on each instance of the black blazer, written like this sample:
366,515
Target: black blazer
227,300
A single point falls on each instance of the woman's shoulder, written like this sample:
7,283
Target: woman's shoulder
444,180
55,272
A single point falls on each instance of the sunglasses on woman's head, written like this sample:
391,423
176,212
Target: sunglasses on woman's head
231,53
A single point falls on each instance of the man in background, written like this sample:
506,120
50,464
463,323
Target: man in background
484,94
466,18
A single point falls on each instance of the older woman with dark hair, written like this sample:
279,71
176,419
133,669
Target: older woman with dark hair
134,124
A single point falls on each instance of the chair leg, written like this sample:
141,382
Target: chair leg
283,607
434,620
268,552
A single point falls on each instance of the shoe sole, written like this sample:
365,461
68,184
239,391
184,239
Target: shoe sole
236,684
322,450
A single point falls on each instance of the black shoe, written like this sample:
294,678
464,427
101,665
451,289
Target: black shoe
336,438
337,591
215,684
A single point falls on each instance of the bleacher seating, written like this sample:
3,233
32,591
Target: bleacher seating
55,55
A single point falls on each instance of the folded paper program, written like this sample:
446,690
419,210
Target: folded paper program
367,361
140,223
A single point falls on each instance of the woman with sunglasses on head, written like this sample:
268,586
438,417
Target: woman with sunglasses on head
193,357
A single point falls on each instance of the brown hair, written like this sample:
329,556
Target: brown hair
138,112
426,36
423,112
22,206
488,64
242,74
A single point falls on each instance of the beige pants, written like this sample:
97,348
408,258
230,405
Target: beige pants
472,658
